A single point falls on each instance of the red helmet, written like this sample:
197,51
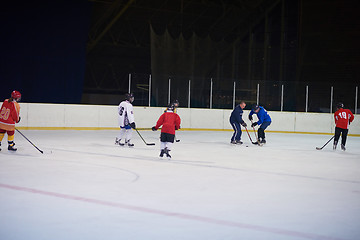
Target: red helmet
16,95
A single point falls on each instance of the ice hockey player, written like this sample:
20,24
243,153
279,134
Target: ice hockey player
170,122
126,120
343,118
264,121
9,115
235,121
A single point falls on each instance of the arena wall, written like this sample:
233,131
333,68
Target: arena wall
68,116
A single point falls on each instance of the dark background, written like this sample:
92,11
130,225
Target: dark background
83,51
43,49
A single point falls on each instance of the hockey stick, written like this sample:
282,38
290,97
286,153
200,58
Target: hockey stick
257,139
149,144
29,141
318,148
250,137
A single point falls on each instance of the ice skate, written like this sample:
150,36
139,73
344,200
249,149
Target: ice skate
263,141
162,153
334,146
166,150
343,147
117,142
11,147
129,143
233,142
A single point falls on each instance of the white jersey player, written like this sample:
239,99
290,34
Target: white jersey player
126,120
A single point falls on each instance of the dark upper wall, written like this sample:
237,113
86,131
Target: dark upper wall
43,48
329,41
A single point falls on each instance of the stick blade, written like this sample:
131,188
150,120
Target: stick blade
150,144
318,148
257,143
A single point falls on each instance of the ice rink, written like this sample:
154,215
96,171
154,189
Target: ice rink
85,187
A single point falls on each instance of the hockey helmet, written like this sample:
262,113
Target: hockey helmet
256,107
340,105
129,97
170,108
175,103
16,95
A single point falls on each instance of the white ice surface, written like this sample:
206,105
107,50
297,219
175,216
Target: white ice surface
85,187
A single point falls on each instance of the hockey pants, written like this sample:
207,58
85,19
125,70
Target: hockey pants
343,133
167,140
261,130
125,131
10,134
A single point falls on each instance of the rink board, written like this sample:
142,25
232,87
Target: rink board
69,116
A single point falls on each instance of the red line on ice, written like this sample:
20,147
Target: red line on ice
173,214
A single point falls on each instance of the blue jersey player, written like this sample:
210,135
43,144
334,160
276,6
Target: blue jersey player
235,121
263,122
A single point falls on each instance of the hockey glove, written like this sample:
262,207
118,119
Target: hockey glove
132,125
153,128
244,124
254,124
250,117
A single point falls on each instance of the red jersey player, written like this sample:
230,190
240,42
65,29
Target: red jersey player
9,115
170,122
343,118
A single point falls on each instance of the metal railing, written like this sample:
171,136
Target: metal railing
226,93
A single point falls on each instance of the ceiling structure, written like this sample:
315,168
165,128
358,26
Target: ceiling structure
119,36
125,23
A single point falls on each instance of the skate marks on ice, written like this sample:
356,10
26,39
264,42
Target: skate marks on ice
167,160
194,163
135,176
204,164
11,153
25,153
283,160
179,215
136,157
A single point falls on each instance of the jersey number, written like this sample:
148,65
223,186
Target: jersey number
343,115
121,111
4,114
